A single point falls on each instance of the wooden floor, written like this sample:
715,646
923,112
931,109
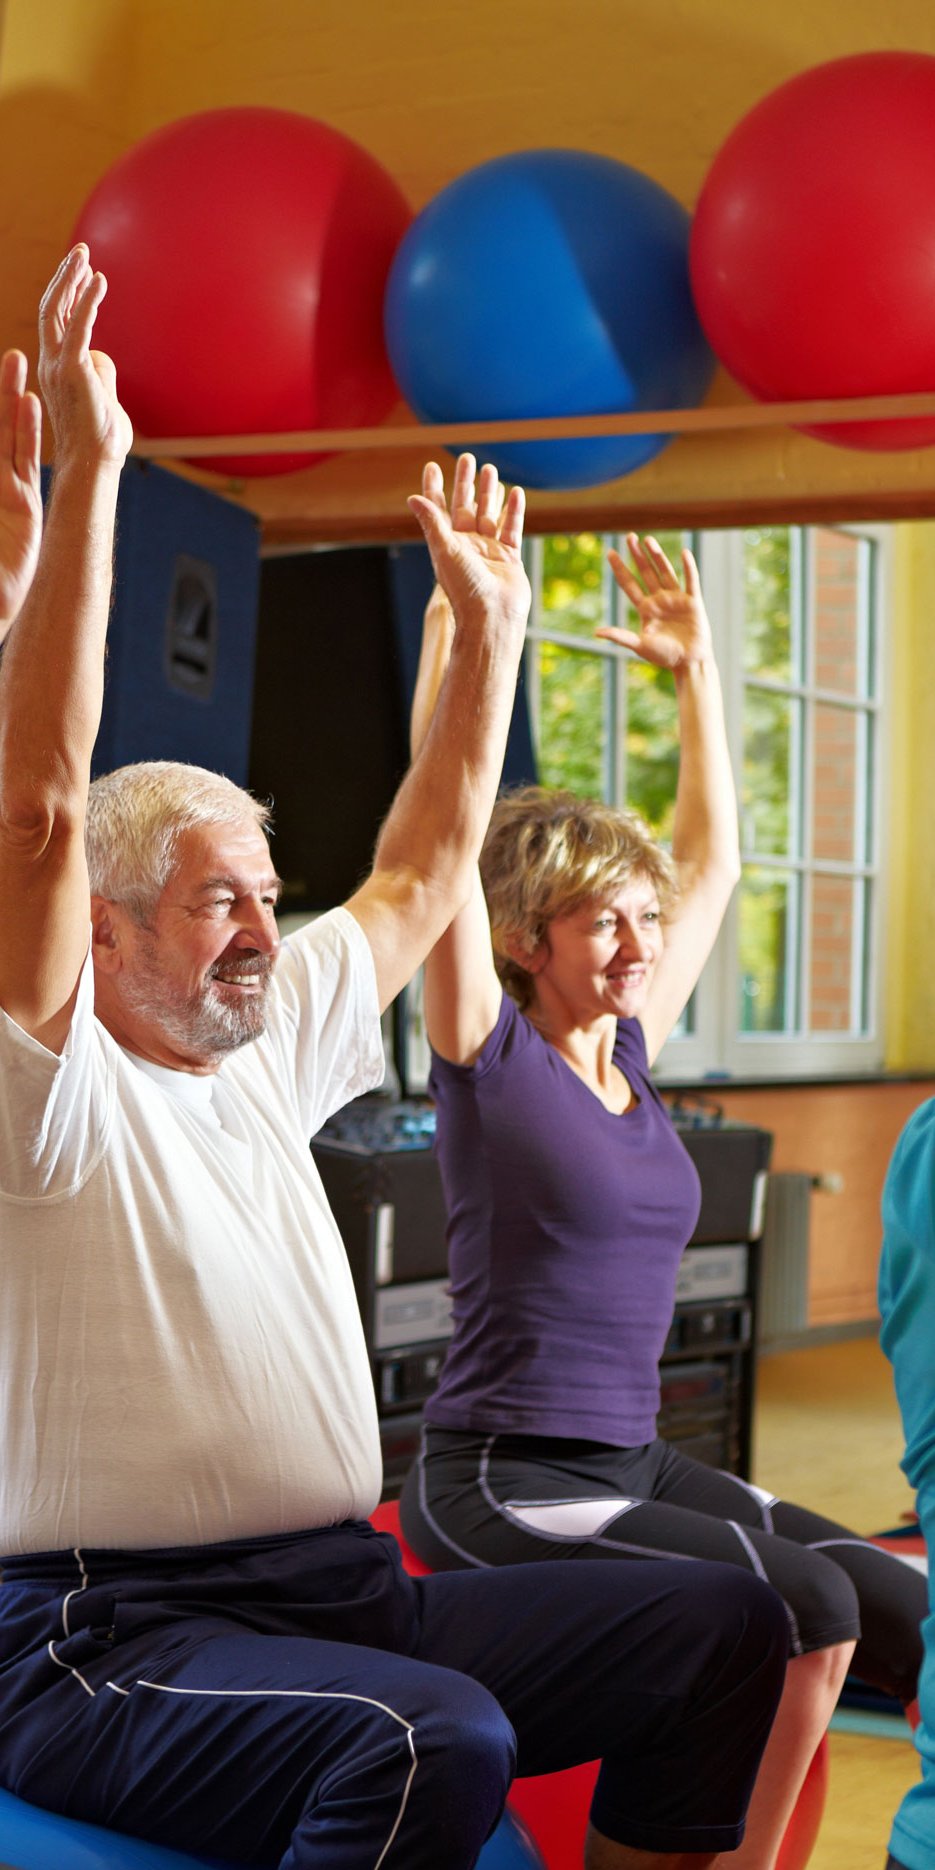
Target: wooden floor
828,1436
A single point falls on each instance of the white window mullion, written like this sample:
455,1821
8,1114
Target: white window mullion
803,816
534,558
704,1053
615,730
878,599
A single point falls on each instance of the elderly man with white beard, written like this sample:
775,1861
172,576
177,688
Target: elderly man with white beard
202,1638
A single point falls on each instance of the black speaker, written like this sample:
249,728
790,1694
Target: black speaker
329,734
732,1160
337,652
180,647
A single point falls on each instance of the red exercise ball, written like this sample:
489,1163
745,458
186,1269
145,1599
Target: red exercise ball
813,245
246,252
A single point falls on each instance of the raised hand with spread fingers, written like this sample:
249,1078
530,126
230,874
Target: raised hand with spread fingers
79,385
53,666
475,544
426,857
675,634
674,628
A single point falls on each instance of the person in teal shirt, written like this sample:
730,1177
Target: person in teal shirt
907,1307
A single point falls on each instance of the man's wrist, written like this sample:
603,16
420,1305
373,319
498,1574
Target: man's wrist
79,462
488,640
477,614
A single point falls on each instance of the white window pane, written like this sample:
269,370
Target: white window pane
572,719
767,943
573,594
652,746
768,649
769,786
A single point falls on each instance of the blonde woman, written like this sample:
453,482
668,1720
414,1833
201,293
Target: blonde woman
570,1199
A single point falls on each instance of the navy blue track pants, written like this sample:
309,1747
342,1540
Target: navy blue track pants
301,1702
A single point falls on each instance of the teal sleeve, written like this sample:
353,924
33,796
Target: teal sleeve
907,1307
907,1288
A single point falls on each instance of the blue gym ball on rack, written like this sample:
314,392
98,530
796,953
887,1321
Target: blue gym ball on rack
552,282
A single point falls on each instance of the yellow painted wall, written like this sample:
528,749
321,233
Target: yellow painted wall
658,83
66,79
909,932
655,82
846,1131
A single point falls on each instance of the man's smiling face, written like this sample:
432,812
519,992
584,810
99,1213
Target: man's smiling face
192,984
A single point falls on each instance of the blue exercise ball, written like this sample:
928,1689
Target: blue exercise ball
33,1839
510,1848
548,283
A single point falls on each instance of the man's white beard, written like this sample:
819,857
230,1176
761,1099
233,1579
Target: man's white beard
201,1024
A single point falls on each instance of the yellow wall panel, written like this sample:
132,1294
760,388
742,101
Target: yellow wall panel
66,77
909,914
430,94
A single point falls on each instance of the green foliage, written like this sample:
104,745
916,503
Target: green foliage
767,764
574,583
652,747
572,716
652,730
575,704
764,920
767,636
769,653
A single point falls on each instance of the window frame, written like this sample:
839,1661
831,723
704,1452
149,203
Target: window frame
715,1033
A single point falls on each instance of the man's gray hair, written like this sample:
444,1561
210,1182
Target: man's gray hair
136,816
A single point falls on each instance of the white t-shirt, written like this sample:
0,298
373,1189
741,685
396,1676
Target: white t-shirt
181,1355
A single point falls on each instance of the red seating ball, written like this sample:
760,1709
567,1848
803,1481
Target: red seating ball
812,252
246,252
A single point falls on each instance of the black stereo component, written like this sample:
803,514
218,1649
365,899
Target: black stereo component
382,1182
700,1409
732,1160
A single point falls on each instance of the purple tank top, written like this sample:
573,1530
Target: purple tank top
566,1225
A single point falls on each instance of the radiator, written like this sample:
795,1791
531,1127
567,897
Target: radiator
783,1307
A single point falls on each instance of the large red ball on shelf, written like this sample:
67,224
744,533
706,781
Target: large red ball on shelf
246,252
813,245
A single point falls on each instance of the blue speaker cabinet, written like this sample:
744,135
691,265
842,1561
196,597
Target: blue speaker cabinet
179,679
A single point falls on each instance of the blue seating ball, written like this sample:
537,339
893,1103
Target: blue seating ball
510,1848
31,1839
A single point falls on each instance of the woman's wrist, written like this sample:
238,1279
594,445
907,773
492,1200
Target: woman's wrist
702,668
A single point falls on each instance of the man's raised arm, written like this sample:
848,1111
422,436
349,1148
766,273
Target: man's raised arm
424,864
20,495
51,679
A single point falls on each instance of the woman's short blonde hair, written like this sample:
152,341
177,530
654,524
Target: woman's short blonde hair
548,853
136,816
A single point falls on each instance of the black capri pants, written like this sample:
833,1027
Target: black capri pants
479,1500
